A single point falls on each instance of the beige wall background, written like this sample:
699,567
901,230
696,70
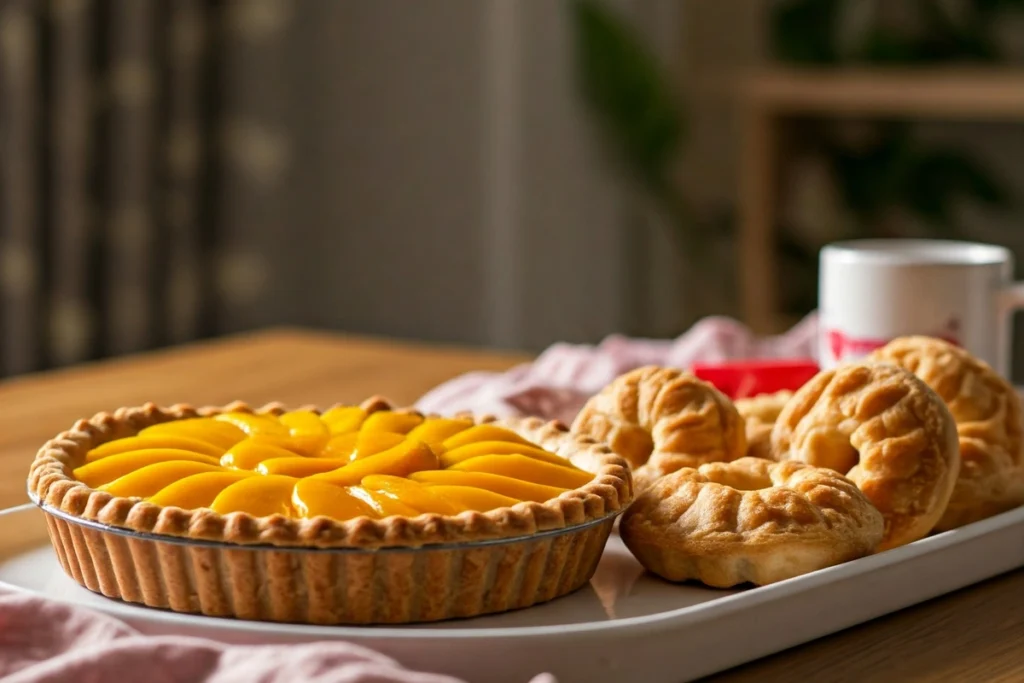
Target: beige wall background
439,179
425,170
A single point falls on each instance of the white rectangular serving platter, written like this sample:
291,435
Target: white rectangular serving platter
626,625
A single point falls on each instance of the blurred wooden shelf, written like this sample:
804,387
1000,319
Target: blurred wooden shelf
767,98
950,93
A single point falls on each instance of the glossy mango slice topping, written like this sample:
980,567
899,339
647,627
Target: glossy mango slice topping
472,450
340,446
361,444
197,491
259,496
306,430
296,445
344,419
402,460
138,443
312,498
495,483
255,424
387,421
526,468
219,433
248,454
411,493
485,432
300,467
304,423
434,432
152,479
473,498
383,504
342,464
106,470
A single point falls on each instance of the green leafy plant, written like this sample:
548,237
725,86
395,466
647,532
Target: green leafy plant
807,32
895,171
636,109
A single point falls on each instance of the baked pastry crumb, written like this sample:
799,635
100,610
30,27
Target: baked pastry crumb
759,414
749,521
661,420
884,429
987,412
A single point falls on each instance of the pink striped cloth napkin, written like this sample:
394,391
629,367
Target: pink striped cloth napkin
562,378
43,641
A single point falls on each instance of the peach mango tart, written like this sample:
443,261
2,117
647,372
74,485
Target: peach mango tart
359,514
299,465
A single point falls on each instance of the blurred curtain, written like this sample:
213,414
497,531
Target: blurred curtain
108,176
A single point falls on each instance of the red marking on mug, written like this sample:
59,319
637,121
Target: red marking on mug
841,344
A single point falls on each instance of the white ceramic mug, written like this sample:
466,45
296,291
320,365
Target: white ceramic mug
872,291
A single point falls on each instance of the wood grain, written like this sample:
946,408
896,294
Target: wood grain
973,635
950,94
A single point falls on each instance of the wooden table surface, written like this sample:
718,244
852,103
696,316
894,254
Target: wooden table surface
976,634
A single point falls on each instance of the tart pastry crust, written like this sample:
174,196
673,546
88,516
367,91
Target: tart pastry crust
749,521
884,429
759,414
987,411
321,570
661,420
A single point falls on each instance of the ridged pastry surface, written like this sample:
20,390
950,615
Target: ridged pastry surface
751,520
661,420
987,412
759,414
884,429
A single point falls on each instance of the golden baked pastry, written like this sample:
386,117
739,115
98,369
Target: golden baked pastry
661,420
759,414
362,514
749,521
987,411
884,429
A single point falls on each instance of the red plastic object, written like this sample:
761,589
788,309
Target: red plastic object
740,379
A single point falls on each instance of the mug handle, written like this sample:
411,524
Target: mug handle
1011,298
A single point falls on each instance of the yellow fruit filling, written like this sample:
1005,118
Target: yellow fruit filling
342,464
